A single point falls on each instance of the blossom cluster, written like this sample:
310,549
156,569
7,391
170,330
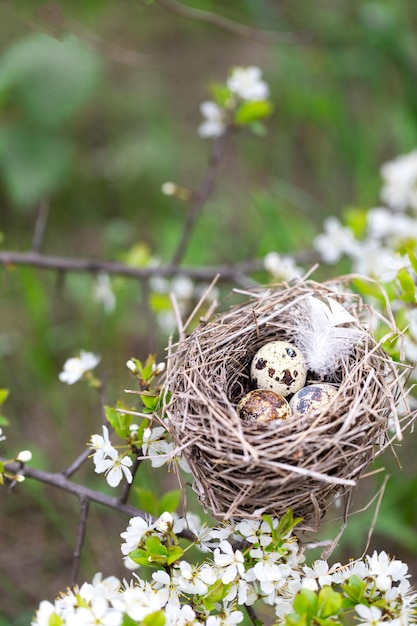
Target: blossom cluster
244,86
380,251
245,562
384,246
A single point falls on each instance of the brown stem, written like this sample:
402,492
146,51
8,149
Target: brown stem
40,226
251,613
200,197
79,461
84,508
226,24
62,482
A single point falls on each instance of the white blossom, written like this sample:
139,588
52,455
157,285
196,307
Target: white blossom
2,437
137,602
98,614
156,447
102,446
318,572
232,562
182,287
229,618
385,570
214,124
45,611
372,259
104,293
75,368
336,241
165,522
115,468
399,189
137,529
371,615
179,615
166,587
195,580
247,83
281,267
24,456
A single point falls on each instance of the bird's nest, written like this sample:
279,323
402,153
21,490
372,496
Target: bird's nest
241,470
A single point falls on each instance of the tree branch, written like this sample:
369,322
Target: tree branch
200,197
228,273
84,508
40,226
224,23
83,493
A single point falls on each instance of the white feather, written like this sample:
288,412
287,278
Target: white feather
320,336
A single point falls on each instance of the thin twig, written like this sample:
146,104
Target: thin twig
40,226
232,272
201,195
61,482
241,30
251,613
375,516
75,466
82,525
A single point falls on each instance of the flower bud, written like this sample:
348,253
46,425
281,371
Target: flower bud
24,456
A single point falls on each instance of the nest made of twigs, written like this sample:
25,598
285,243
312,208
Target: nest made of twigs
243,471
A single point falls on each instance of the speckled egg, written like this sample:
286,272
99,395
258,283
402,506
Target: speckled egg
312,398
262,405
280,366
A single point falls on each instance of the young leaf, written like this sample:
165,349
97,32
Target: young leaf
147,501
170,501
3,395
408,286
155,546
249,112
154,619
140,557
329,602
175,553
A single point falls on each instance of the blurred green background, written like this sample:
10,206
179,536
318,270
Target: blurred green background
91,128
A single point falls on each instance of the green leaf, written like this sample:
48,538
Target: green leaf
249,112
140,557
306,602
48,79
413,258
4,393
111,416
128,621
215,594
154,619
408,286
150,402
220,93
4,421
354,589
175,553
170,501
55,620
33,162
155,546
147,501
329,602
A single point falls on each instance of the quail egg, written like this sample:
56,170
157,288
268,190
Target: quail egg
263,405
312,398
280,366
